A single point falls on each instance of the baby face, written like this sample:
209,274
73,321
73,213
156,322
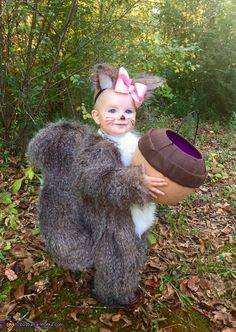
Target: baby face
114,112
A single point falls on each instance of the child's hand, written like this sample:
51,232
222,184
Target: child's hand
152,184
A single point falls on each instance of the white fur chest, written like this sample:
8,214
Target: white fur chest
143,216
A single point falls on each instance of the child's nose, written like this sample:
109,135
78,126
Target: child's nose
122,117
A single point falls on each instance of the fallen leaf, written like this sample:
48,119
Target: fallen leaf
28,263
106,319
73,314
153,282
20,291
116,318
10,274
204,284
18,251
104,330
223,316
193,283
90,301
40,267
126,320
202,246
184,289
41,285
169,292
6,309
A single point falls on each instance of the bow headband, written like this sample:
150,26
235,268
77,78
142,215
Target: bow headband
125,85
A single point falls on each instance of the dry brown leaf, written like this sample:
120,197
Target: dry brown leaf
169,292
41,285
204,283
193,283
202,246
41,267
73,314
223,316
106,319
6,309
104,330
10,274
228,329
126,320
116,318
19,251
184,289
32,314
28,263
167,329
90,301
153,282
20,291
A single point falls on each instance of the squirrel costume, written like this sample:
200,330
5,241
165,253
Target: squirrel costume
93,207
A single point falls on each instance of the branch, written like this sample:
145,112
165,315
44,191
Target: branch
55,64
85,43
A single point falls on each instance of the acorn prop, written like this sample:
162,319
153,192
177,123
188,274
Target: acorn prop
167,154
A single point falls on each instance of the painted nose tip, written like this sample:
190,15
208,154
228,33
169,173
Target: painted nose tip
122,117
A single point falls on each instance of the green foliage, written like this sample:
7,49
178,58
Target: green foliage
46,51
9,212
216,171
230,193
151,238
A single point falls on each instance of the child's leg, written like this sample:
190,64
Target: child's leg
117,263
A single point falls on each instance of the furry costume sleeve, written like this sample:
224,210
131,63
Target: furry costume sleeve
103,180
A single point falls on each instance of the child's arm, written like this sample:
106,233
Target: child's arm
102,182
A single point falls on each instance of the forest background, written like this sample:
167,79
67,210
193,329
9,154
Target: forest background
47,48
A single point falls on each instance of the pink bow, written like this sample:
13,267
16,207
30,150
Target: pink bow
124,85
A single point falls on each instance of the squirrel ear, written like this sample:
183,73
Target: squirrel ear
103,76
105,81
152,82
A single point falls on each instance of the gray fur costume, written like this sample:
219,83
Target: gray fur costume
84,207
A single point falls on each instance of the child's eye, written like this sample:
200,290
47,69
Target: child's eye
128,111
112,110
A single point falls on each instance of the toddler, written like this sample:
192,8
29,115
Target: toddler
94,207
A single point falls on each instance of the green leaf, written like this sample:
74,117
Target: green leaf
29,173
16,185
7,246
3,297
36,230
12,209
5,198
2,256
151,238
13,223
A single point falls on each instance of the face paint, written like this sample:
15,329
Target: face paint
116,113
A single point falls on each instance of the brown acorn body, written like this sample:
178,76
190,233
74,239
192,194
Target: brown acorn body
167,154
174,192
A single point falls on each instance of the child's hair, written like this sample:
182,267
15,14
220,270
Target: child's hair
104,76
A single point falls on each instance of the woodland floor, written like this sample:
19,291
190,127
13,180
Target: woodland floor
189,280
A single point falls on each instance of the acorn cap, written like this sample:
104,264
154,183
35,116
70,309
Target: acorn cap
173,156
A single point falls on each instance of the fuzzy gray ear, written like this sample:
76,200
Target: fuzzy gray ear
103,76
152,82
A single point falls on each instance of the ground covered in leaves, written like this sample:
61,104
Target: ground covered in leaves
189,280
